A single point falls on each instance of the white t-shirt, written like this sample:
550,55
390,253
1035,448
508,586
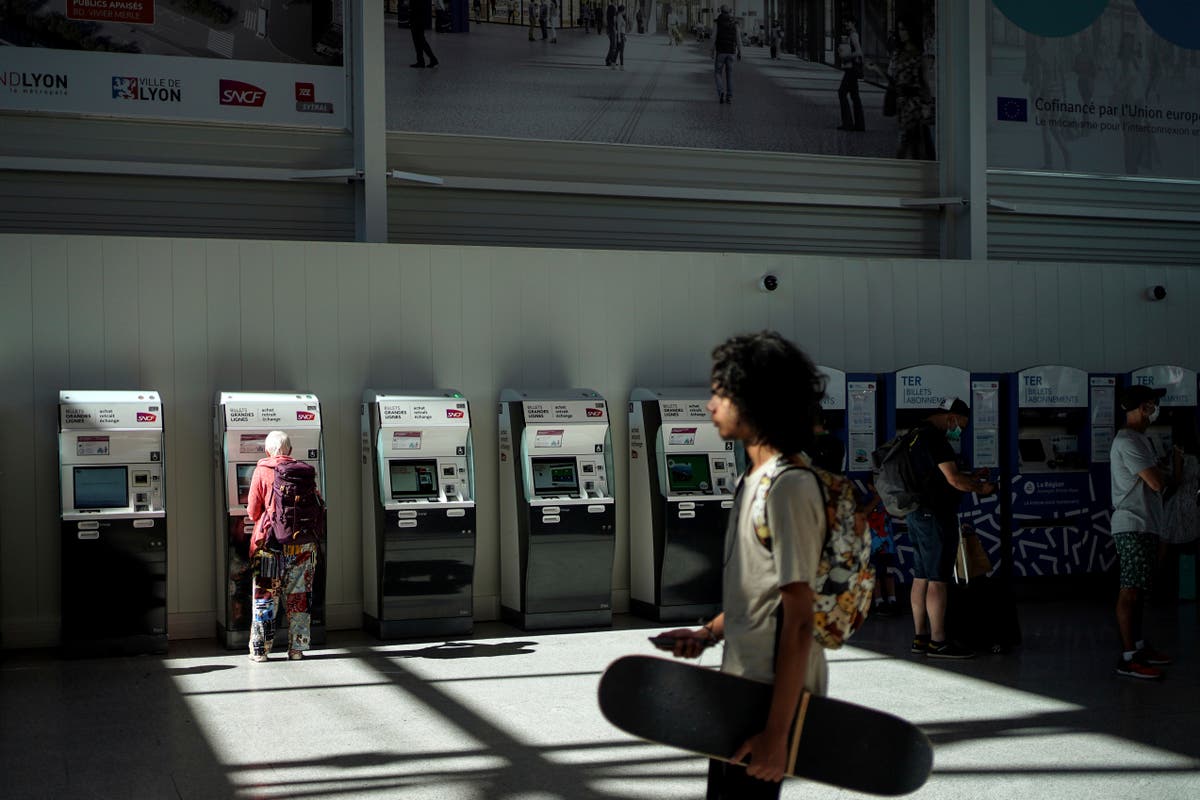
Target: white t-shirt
1136,507
754,575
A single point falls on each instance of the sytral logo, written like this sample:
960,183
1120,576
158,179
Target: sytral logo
144,416
306,100
239,93
453,413
305,416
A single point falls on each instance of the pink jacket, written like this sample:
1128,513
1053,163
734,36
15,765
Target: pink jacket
261,484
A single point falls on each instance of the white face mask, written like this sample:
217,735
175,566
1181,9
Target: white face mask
1154,415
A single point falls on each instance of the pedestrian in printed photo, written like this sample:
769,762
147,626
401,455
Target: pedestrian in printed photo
621,29
610,26
531,13
543,16
908,71
555,21
727,48
419,14
850,60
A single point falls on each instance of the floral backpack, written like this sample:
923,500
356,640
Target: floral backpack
845,578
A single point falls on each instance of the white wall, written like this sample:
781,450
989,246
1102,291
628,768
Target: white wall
191,317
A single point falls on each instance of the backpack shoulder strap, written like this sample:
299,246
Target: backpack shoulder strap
758,501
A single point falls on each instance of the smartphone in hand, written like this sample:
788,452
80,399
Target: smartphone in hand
664,642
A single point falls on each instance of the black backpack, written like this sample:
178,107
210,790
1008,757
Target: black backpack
295,507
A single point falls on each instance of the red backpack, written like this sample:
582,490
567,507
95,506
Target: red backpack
295,510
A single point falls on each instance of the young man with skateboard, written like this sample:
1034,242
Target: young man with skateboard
766,393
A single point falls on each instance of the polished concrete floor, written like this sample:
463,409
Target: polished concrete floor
506,714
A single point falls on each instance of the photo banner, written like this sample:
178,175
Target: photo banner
1104,87
269,62
802,76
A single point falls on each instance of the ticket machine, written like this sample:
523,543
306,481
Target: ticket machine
114,522
1062,426
557,510
850,411
241,422
681,481
418,513
1178,406
913,395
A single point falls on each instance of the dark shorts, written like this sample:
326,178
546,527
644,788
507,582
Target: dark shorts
1137,553
935,543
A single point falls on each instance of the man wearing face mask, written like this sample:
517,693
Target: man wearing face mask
1137,520
933,526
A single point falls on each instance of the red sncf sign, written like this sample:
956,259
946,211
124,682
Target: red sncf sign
305,416
238,93
595,412
453,413
145,416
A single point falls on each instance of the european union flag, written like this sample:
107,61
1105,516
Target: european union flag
1012,109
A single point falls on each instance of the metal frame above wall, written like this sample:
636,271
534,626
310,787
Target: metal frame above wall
1049,217
482,190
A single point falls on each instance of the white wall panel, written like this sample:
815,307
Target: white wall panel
191,317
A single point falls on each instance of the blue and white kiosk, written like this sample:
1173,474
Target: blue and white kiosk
418,514
241,422
1062,424
1177,407
850,411
558,515
112,490
911,396
681,480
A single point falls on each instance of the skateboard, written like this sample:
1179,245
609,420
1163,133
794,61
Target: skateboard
712,713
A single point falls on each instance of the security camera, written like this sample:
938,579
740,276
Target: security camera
768,283
1155,293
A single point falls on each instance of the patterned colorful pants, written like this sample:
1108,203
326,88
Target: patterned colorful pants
292,586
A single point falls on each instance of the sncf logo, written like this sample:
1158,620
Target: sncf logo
143,416
595,412
237,93
305,416
453,413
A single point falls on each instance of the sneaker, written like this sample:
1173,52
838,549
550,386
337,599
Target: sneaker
418,65
295,655
920,645
948,650
1134,668
1148,655
721,97
258,658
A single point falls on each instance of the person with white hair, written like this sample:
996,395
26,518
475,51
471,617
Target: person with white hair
283,569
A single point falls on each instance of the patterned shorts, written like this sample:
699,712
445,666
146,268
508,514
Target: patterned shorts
1137,552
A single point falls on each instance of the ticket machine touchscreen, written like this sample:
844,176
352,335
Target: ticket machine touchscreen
688,473
101,487
413,480
245,472
554,477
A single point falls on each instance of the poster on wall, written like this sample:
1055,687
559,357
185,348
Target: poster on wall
272,62
810,77
1095,86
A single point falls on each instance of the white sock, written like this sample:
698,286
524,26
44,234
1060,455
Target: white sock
1128,655
1140,644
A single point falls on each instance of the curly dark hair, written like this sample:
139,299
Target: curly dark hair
774,385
